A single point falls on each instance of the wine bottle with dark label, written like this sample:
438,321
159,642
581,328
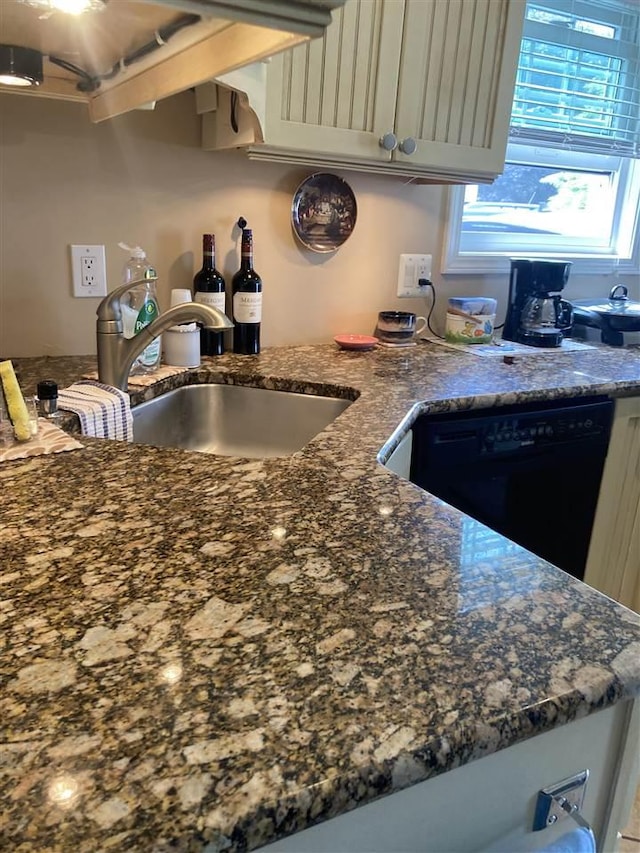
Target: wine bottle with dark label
247,301
208,287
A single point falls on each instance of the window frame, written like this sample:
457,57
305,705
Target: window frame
561,149
622,254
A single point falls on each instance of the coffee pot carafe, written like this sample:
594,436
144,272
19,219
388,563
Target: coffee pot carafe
536,315
545,317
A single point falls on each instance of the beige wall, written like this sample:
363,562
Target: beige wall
143,178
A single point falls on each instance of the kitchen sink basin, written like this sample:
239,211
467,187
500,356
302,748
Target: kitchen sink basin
234,420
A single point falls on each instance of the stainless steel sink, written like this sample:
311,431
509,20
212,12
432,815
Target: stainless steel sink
234,420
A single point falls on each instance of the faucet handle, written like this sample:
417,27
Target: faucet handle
109,309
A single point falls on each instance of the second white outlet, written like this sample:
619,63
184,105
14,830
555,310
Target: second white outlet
412,269
89,271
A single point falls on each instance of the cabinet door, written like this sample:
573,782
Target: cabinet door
336,95
457,74
613,564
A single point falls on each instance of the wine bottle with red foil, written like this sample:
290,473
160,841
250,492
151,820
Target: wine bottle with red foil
208,287
247,301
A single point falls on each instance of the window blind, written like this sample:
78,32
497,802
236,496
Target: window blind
578,78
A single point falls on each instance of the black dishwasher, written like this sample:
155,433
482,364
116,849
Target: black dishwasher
530,471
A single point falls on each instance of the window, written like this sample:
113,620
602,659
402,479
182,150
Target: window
571,183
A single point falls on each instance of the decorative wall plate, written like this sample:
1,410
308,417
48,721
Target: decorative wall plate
323,212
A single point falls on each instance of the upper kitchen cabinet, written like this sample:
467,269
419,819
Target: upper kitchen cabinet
418,88
123,54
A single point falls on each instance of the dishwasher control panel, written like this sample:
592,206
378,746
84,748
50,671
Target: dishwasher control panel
516,428
535,429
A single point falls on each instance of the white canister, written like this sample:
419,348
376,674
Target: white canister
181,344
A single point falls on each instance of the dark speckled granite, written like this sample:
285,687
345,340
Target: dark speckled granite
200,649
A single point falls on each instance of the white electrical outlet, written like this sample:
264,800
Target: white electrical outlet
413,268
89,271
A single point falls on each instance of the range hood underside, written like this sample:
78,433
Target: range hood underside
96,42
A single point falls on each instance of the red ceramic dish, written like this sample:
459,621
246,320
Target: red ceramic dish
358,342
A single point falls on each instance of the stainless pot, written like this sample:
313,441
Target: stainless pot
613,316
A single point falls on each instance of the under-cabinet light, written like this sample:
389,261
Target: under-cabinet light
71,7
20,66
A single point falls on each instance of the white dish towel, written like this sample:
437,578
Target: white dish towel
104,411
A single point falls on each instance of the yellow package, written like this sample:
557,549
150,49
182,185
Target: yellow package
15,402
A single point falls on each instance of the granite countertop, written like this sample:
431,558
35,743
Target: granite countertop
198,649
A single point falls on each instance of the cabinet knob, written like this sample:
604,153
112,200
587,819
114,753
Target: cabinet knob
408,145
389,141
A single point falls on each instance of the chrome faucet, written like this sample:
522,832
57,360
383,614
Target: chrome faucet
116,353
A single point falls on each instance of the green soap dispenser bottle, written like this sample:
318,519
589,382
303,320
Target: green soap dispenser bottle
140,307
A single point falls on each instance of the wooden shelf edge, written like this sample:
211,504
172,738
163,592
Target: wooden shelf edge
53,88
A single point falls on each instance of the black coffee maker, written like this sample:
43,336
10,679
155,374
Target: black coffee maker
536,314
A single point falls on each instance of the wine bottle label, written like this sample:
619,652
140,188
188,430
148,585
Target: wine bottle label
216,300
247,307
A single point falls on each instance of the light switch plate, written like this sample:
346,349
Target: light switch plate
89,270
